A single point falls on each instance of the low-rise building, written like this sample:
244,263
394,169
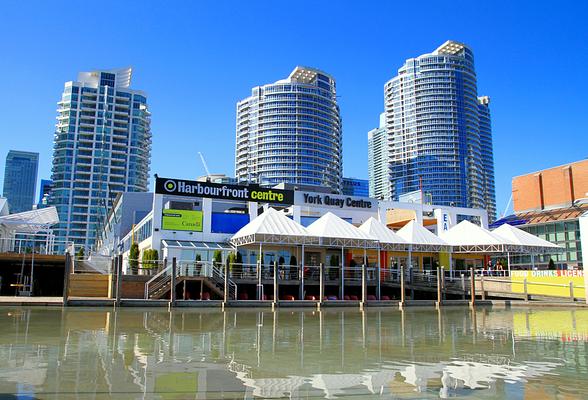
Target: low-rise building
193,219
548,204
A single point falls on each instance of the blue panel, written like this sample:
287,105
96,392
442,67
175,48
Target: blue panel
228,223
305,221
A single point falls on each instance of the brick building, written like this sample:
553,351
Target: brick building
549,203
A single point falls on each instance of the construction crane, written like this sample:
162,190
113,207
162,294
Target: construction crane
507,206
205,166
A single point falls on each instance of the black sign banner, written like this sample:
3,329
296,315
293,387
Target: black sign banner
182,187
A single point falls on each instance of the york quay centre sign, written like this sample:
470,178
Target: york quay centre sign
334,201
182,187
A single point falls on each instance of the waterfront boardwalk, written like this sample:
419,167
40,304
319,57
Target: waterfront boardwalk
106,302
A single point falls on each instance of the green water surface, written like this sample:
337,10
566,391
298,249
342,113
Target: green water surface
98,353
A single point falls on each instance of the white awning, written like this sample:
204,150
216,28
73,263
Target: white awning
421,238
192,245
271,227
467,237
380,232
529,243
334,231
31,221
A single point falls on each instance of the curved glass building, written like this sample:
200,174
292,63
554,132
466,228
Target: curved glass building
439,134
290,132
102,147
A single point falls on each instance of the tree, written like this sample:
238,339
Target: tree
81,253
231,260
134,257
551,264
150,258
217,258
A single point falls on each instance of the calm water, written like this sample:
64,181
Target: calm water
154,354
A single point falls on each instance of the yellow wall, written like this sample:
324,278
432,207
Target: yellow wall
562,278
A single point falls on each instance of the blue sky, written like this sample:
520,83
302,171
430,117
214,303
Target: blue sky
197,59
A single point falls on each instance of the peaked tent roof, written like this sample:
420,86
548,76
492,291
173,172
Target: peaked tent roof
270,227
421,238
334,231
467,237
380,232
31,221
525,239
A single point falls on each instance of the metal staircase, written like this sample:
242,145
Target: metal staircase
213,275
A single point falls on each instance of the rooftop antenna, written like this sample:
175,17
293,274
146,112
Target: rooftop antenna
205,166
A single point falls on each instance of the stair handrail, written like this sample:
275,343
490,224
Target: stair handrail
151,286
218,278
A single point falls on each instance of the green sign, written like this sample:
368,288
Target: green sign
182,220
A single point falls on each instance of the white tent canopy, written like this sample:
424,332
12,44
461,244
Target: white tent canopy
467,237
274,227
271,227
421,238
334,231
31,221
380,232
527,242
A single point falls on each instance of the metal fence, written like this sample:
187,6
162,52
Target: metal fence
38,244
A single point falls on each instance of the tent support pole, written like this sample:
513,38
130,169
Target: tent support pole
378,281
301,272
364,284
409,264
342,273
259,272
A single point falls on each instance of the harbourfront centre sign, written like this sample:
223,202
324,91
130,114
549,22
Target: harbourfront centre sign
182,187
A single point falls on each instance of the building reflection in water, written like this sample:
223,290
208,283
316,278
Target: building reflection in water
133,353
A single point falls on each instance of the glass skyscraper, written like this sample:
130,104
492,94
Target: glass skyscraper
378,173
20,180
439,131
44,193
488,186
290,132
356,187
102,147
